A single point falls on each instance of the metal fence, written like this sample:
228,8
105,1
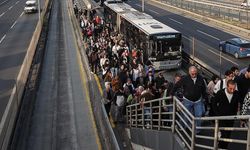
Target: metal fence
168,114
234,15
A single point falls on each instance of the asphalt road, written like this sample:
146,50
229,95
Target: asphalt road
206,38
16,30
15,34
62,116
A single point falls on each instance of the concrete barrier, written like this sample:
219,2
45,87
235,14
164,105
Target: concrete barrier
8,119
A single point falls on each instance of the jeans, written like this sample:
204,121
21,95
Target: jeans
147,114
114,71
195,108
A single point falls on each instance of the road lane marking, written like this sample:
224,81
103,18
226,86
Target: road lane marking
176,21
217,54
2,14
17,2
2,38
208,35
186,37
10,7
138,5
13,24
3,2
154,11
21,14
223,57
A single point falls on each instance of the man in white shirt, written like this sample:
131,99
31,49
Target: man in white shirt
222,84
226,103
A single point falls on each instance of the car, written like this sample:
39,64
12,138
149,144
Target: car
236,46
30,6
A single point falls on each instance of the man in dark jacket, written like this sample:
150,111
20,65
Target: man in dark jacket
108,96
243,83
159,80
119,103
194,91
226,103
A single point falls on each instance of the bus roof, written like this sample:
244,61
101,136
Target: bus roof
136,15
147,24
119,7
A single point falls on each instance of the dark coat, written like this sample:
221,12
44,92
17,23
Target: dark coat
192,91
221,105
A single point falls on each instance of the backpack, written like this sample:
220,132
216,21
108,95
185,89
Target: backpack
213,103
221,84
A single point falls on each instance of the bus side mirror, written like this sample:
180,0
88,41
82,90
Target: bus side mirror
182,45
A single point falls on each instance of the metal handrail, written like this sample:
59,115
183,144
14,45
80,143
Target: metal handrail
182,122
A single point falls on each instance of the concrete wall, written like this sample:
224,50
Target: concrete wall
156,140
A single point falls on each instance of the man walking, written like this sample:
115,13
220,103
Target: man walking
194,91
226,103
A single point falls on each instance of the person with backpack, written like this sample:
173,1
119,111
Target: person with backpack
119,103
210,92
108,96
222,84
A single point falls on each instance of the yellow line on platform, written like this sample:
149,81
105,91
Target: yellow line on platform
83,80
98,84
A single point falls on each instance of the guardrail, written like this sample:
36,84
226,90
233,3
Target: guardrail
172,115
108,138
8,119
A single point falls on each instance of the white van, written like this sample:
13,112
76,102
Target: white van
30,6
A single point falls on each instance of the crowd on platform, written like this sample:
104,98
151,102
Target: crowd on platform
128,79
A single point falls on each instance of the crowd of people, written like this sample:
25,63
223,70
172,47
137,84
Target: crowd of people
128,79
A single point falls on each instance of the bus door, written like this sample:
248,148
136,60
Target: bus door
118,22
151,51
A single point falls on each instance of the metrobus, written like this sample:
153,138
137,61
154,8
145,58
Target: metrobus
161,44
112,11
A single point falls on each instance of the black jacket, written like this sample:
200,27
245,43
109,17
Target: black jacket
221,105
191,91
243,85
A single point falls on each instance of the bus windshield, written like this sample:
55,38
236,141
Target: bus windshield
167,43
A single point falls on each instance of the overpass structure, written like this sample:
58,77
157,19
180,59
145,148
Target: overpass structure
176,129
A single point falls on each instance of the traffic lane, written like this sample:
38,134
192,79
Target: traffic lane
12,52
201,32
208,56
193,31
192,25
10,5
9,18
63,107
6,3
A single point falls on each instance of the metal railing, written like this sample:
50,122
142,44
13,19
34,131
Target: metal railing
170,114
